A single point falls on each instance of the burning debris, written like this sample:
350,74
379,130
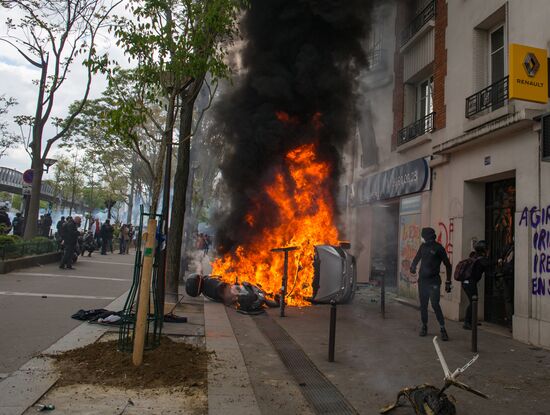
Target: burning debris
335,279
285,125
430,400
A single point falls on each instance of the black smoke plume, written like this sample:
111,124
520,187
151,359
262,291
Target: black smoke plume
302,57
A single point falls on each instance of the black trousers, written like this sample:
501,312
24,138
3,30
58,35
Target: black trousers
67,259
470,289
429,291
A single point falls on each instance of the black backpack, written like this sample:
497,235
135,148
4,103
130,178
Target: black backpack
463,270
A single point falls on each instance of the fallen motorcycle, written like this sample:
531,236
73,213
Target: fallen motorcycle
430,400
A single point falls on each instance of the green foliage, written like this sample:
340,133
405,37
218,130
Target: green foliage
9,239
6,138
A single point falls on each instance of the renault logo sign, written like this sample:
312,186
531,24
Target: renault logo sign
531,64
528,74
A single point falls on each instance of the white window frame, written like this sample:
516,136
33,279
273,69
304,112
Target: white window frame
429,102
490,51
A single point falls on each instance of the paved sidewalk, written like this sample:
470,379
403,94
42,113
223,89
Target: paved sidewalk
375,358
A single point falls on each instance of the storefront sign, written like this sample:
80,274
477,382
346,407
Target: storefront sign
528,68
402,180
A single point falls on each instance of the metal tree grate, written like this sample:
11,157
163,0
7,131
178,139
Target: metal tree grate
323,396
154,320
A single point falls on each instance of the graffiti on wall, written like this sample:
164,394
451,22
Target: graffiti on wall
539,219
445,237
408,246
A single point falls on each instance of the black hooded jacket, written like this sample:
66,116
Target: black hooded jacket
431,254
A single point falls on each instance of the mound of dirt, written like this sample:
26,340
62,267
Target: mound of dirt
171,364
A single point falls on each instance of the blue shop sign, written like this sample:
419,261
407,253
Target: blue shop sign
402,180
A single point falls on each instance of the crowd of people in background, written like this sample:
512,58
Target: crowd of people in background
96,236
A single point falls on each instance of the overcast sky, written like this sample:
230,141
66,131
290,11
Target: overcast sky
16,76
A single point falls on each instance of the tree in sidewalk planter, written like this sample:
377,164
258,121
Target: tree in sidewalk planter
51,35
177,44
215,26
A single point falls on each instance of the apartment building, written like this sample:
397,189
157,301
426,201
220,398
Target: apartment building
451,137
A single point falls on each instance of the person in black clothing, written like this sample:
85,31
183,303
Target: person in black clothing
46,225
5,222
18,225
106,233
70,234
431,254
481,266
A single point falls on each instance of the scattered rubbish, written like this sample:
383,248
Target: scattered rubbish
47,407
513,388
44,296
99,316
430,400
129,403
247,298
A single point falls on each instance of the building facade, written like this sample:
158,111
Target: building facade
443,143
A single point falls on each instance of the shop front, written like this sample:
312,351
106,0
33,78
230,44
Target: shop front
394,200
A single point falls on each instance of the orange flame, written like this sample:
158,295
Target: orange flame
305,207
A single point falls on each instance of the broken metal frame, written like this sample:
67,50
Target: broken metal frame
450,380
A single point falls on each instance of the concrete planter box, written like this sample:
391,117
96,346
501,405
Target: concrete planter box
28,261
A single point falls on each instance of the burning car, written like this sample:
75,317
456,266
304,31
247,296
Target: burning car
334,279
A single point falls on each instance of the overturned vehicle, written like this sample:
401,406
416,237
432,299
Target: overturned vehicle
334,280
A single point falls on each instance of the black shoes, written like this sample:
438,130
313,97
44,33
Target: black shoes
62,267
423,331
444,335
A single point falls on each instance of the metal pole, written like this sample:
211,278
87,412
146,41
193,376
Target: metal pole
474,323
383,296
283,286
332,331
286,250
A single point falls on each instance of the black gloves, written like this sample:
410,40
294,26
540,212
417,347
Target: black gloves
448,286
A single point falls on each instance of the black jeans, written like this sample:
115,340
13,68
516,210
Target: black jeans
470,289
430,291
67,259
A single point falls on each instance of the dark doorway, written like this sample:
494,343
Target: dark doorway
500,205
385,240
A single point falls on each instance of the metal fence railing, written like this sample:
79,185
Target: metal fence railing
416,129
492,97
418,22
21,249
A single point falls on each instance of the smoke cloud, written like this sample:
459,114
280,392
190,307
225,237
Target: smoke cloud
301,58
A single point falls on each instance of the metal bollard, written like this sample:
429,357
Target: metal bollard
332,333
474,323
383,296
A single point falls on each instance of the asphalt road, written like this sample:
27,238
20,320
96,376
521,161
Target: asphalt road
36,303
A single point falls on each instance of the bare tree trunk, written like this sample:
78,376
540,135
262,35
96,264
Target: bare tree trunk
157,180
180,188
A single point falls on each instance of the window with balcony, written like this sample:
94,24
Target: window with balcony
490,59
423,112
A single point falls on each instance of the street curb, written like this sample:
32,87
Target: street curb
28,261
21,389
229,389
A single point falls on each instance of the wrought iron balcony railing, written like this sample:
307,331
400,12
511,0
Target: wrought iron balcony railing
416,129
492,97
418,22
376,59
